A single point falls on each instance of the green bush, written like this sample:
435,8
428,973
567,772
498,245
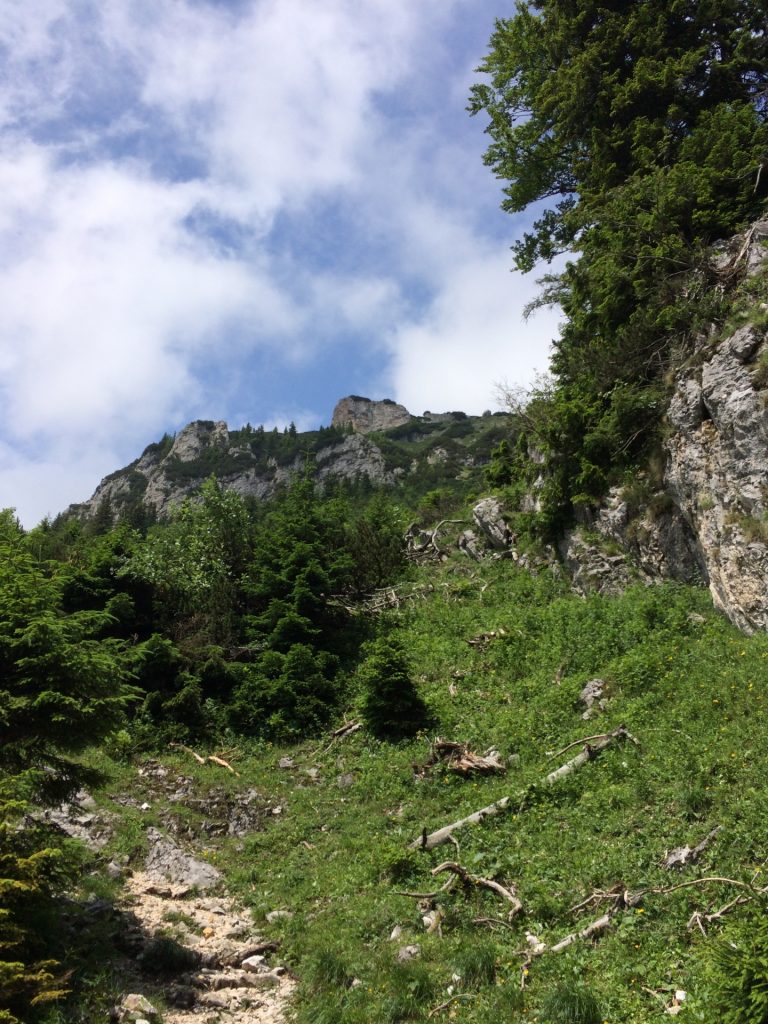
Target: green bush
392,707
740,963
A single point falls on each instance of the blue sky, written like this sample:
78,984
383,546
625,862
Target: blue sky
241,210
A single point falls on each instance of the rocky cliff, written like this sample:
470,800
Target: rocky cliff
165,474
415,452
365,415
709,522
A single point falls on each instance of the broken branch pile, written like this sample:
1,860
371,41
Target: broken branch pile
590,751
457,757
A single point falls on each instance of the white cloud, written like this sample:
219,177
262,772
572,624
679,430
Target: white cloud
471,339
45,485
114,299
279,98
152,155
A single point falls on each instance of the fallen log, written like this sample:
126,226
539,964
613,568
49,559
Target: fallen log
346,730
445,834
592,750
506,892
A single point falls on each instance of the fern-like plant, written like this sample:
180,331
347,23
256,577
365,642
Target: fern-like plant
740,963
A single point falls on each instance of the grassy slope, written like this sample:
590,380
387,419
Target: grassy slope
686,684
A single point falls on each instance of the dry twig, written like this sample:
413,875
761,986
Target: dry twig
506,892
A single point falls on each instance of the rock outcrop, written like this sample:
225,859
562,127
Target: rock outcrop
365,415
717,472
709,523
255,462
166,474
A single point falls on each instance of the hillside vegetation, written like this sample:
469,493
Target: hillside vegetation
487,656
265,674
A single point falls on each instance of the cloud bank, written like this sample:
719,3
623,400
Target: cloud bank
239,210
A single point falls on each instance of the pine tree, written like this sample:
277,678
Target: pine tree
392,707
635,130
63,687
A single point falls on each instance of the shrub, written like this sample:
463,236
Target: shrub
392,707
571,1004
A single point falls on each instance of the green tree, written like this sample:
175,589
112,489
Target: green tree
64,686
392,707
294,626
587,95
376,544
634,131
300,561
194,563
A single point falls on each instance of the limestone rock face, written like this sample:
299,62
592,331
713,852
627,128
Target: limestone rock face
592,568
164,475
710,522
197,436
718,473
656,542
365,415
352,458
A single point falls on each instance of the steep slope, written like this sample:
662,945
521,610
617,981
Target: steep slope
709,520
370,444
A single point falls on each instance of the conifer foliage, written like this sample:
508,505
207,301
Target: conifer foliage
392,706
635,131
63,687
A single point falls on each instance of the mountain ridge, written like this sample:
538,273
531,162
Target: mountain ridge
370,443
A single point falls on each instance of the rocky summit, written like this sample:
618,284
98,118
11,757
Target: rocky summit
365,415
376,444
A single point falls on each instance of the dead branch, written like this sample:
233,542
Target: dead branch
446,887
576,743
664,890
624,900
428,841
224,764
188,750
458,758
492,921
731,268
421,545
203,760
339,734
599,894
346,730
682,856
449,1002
506,892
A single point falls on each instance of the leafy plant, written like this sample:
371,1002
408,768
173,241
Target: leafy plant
570,1003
